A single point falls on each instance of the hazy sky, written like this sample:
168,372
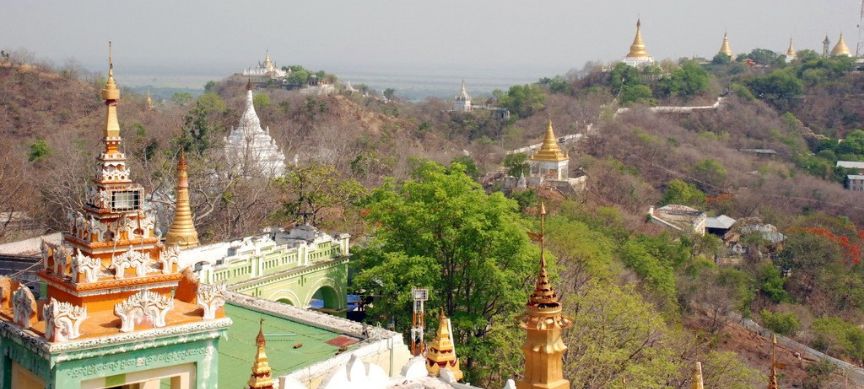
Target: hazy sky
548,36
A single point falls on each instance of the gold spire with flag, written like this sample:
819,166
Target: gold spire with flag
637,49
725,48
549,150
261,373
441,352
840,49
111,94
543,347
182,232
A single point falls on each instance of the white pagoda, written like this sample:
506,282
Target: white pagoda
462,103
249,148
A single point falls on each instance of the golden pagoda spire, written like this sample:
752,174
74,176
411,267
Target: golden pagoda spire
543,348
725,48
441,352
790,52
182,232
840,49
637,49
549,150
697,382
261,378
111,94
149,102
772,377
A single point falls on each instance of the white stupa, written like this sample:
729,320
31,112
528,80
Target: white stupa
249,148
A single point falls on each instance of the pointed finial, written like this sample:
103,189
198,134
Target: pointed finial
260,338
638,22
110,60
249,84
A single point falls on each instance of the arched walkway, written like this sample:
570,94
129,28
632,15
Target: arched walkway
286,297
325,297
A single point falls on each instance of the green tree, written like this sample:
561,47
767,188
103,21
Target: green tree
557,84
469,165
308,190
298,76
210,86
680,192
687,81
783,323
211,102
390,93
779,88
771,283
38,150
516,164
721,59
636,94
196,130
760,56
181,98
441,230
623,75
261,101
617,336
710,172
522,100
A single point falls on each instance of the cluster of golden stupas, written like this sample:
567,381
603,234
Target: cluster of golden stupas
638,54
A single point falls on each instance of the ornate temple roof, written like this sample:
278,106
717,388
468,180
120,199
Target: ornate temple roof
549,151
637,49
725,48
248,146
441,352
267,68
840,48
261,373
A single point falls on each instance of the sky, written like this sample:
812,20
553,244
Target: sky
198,38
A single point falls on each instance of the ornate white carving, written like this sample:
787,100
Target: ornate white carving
131,258
45,248
87,265
61,258
168,257
98,228
144,305
82,226
114,171
211,297
62,320
23,307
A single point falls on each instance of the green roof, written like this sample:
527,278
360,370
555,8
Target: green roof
237,352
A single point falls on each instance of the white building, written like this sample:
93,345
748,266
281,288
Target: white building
250,149
638,55
462,103
264,71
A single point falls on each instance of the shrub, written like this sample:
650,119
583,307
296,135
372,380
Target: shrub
780,322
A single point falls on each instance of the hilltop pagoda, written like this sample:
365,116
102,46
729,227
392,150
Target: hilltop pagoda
840,49
249,148
725,48
108,316
638,56
550,162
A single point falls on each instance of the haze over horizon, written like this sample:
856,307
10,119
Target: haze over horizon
503,38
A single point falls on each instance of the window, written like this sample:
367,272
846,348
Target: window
125,200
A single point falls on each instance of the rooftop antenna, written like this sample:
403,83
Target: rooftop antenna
418,320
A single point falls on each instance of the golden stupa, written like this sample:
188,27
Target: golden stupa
441,352
261,377
544,323
637,49
725,48
790,52
182,232
549,151
840,49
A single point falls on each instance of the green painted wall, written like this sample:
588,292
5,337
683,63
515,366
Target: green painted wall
72,368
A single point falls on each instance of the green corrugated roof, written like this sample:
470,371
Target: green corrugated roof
237,352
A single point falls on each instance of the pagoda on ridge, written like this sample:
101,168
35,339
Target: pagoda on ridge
249,148
638,56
